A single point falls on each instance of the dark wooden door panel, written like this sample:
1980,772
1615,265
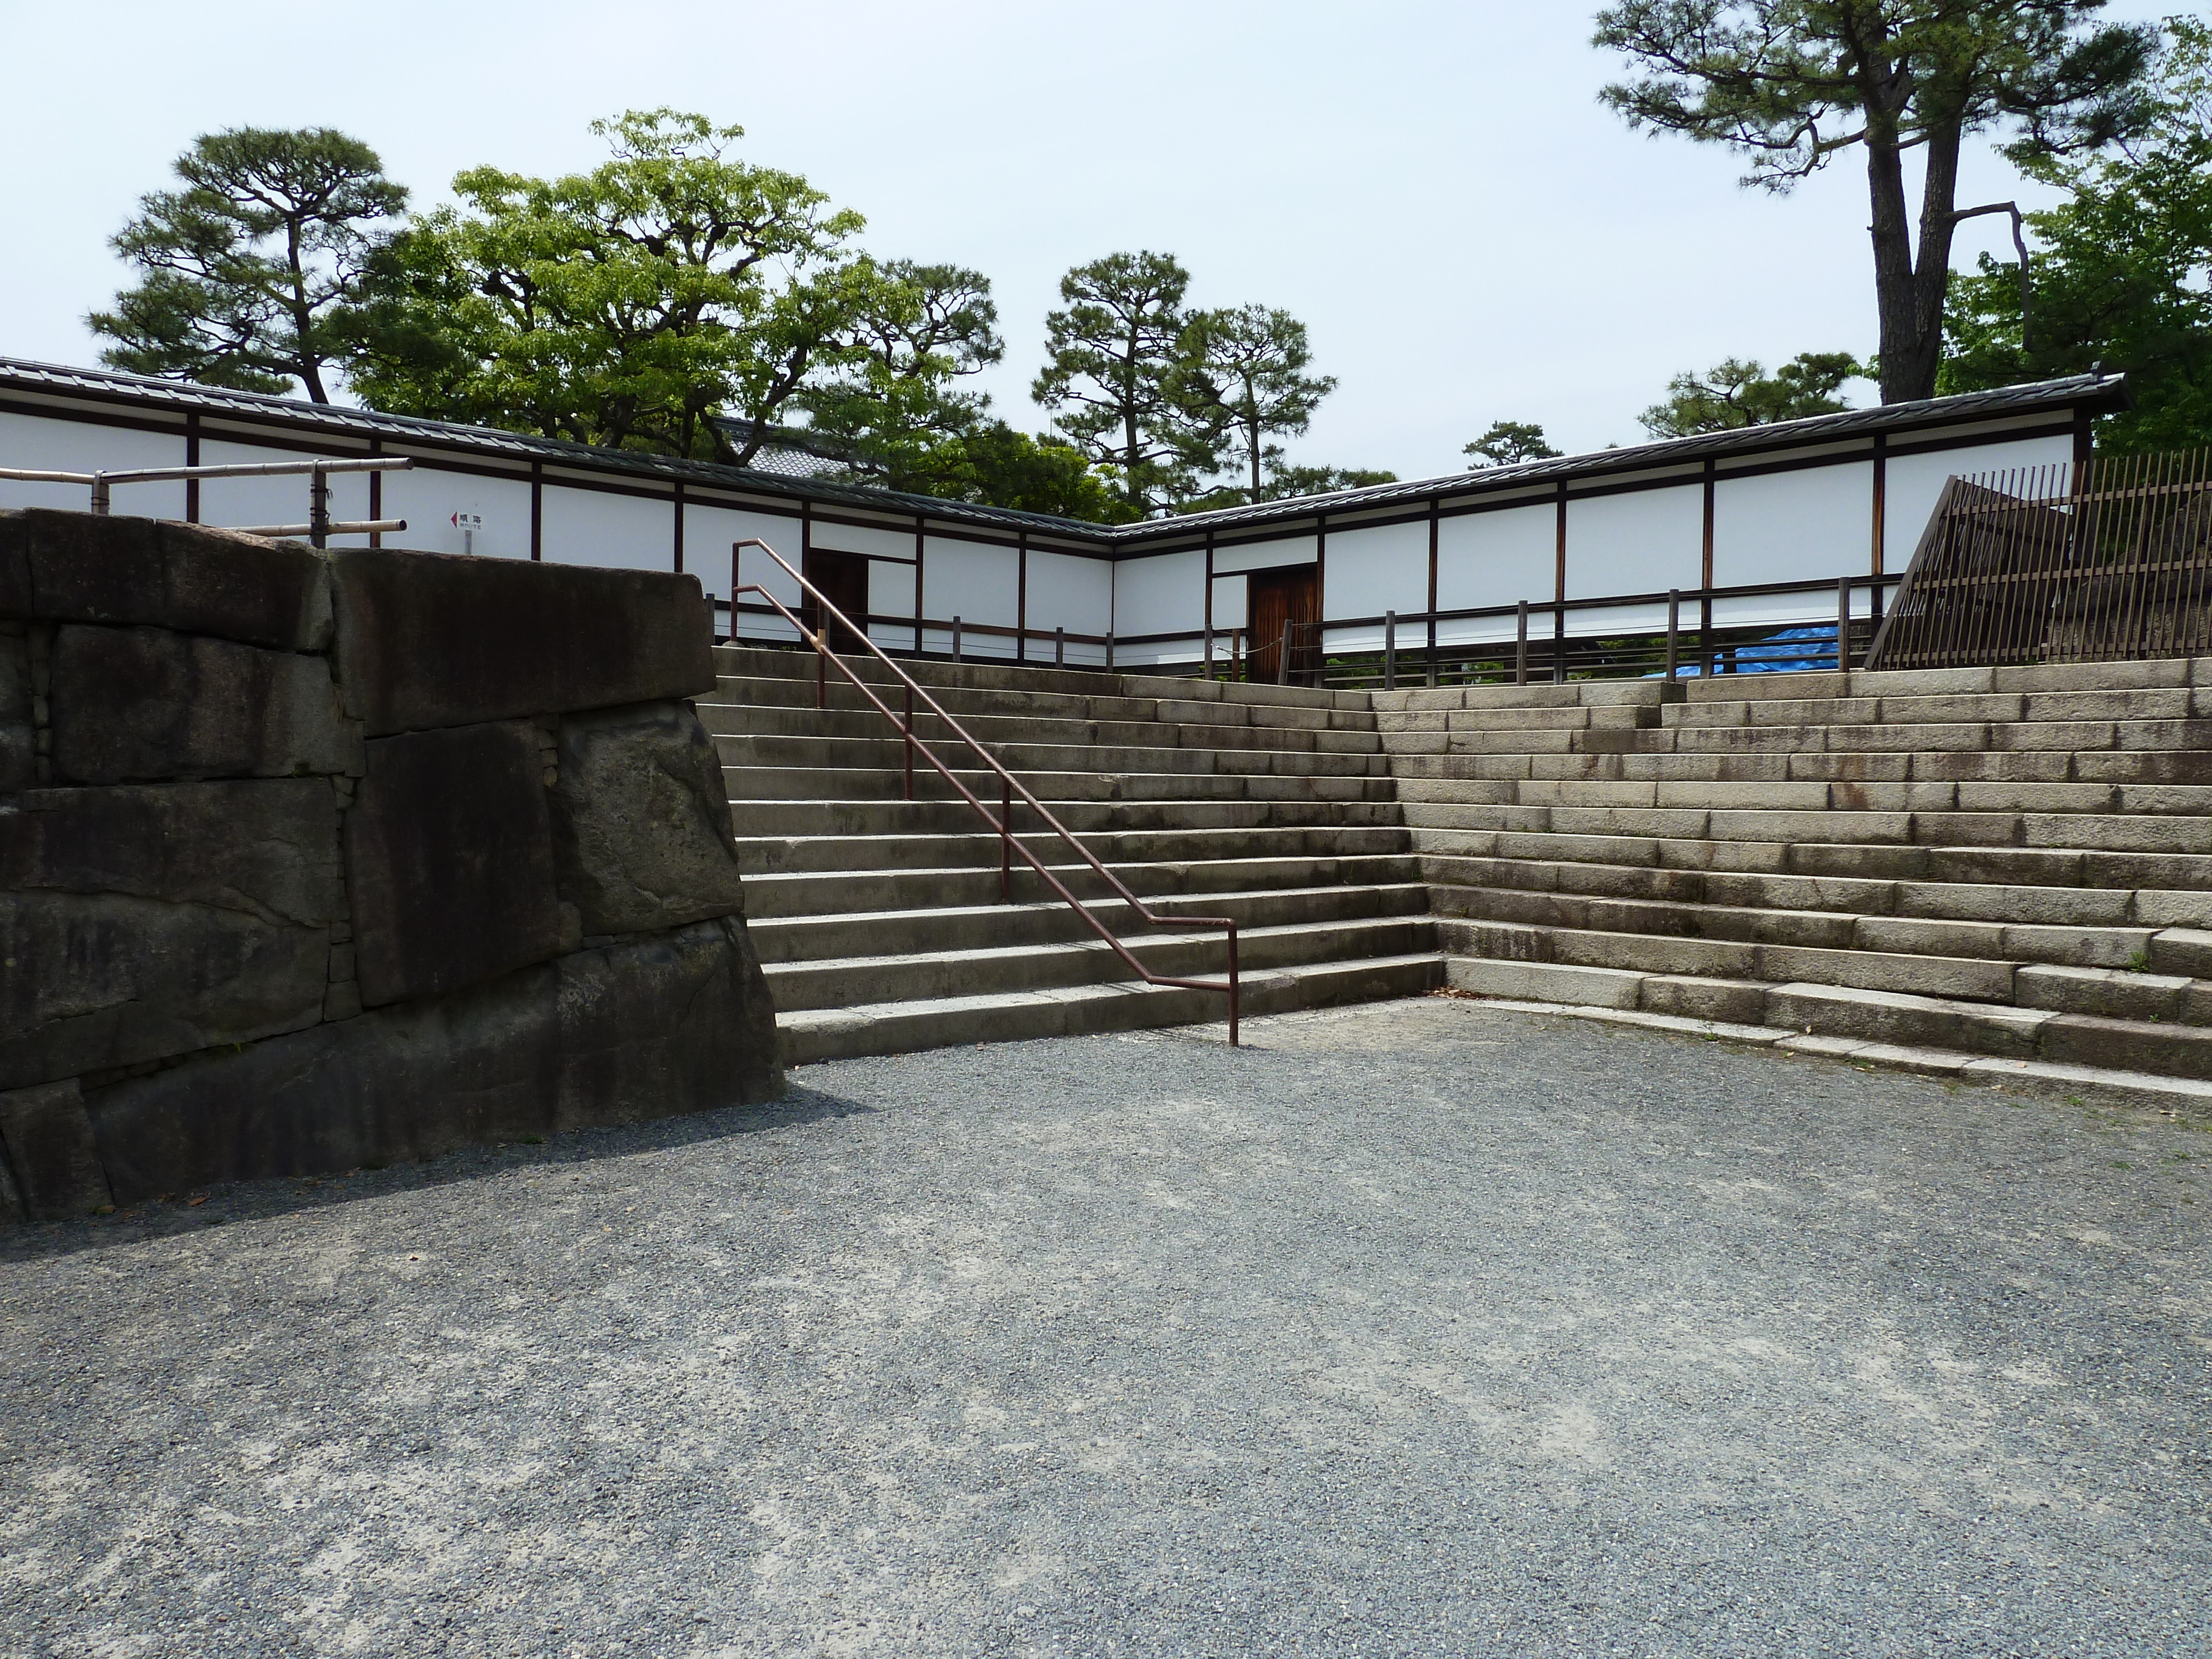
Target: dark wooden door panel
843,578
1272,599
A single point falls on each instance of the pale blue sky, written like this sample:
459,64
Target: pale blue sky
1433,187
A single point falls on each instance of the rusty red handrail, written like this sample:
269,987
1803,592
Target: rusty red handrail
1010,784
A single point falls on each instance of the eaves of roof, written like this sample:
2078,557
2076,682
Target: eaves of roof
2095,393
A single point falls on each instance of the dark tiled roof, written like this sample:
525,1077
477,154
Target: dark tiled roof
2097,393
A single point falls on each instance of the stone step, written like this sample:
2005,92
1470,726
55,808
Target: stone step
2072,736
979,848
841,697
1727,926
767,664
769,816
1427,777
845,981
794,938
1431,805
737,719
1858,1014
1443,863
2098,767
856,783
888,753
905,1027
837,892
2078,1084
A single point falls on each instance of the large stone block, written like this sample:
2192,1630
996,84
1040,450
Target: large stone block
409,1083
89,982
654,1028
269,849
147,702
435,639
449,857
647,1029
138,923
641,821
72,566
48,1142
18,741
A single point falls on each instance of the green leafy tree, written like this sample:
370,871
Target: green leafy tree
244,268
1112,377
1796,82
622,306
1737,393
2121,274
1287,482
1509,443
897,399
1242,376
991,463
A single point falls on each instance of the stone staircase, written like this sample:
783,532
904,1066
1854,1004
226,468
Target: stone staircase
1993,870
879,921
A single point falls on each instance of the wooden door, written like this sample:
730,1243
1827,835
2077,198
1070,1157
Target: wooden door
843,579
1273,597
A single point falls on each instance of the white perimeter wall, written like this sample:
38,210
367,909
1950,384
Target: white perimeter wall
1493,558
1066,590
1371,571
1161,594
36,444
1915,480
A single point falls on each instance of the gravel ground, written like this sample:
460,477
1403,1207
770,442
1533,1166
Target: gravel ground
1417,1329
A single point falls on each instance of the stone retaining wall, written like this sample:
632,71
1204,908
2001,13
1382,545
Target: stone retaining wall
309,861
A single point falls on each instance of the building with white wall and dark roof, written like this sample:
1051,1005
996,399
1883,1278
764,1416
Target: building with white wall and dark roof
1804,502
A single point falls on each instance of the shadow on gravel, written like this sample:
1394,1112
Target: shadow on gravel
253,1200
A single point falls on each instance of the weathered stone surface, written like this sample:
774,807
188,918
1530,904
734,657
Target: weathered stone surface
268,850
407,1083
50,1152
646,1028
641,821
14,566
18,741
133,703
449,856
138,923
77,568
654,1028
435,639
88,981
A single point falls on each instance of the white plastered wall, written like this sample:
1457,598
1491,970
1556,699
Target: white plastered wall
282,500
429,497
1268,555
1164,593
1067,591
35,444
975,583
1915,482
1810,524
710,531
1371,571
624,532
1494,558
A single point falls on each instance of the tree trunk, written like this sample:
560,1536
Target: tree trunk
1252,433
1912,292
309,363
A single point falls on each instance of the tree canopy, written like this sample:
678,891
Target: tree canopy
1509,443
621,306
2121,275
1739,393
1243,375
1794,83
245,266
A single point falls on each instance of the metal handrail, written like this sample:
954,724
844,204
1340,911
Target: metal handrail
319,526
1010,786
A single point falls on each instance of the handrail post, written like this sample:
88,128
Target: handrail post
1521,646
1283,664
1389,650
1843,624
319,508
1558,642
1209,652
822,667
100,494
908,730
1232,984
956,638
1006,838
1059,645
1673,629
